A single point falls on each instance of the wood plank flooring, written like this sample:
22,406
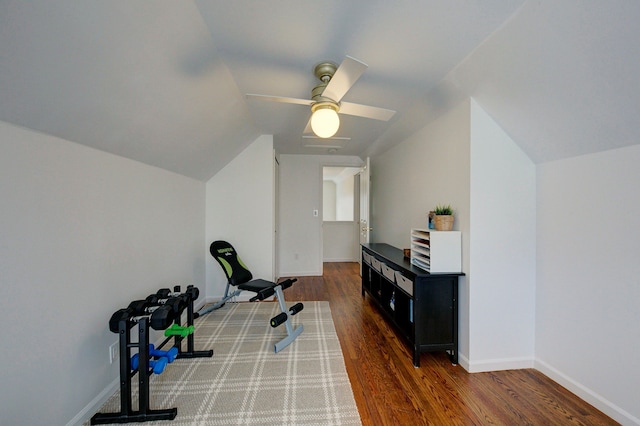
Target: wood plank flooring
389,390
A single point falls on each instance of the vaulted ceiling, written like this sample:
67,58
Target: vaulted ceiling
163,82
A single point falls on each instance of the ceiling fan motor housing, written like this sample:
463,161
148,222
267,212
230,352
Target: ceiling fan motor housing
325,70
316,96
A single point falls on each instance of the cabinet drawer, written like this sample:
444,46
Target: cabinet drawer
404,283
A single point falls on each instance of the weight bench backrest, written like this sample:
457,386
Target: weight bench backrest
235,270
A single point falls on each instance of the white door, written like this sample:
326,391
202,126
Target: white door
276,218
365,229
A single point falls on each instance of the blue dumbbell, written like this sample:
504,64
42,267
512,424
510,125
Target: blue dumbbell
157,366
170,355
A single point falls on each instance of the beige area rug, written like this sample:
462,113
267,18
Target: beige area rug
246,383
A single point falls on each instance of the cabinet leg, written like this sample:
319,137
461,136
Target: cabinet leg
416,357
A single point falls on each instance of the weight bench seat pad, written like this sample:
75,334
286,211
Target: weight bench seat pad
257,285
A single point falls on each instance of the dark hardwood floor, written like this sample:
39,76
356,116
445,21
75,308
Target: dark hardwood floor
389,390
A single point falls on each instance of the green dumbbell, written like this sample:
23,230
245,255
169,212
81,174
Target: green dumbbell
179,330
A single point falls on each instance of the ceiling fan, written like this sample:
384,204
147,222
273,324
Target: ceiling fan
325,103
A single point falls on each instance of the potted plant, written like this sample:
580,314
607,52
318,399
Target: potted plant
443,217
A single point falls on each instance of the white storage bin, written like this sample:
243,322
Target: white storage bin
388,272
375,263
404,283
367,257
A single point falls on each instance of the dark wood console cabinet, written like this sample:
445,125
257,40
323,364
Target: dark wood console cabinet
423,306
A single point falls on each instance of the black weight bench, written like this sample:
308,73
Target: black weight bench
239,276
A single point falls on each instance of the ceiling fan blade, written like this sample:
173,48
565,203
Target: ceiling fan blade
322,146
366,111
335,138
279,99
346,75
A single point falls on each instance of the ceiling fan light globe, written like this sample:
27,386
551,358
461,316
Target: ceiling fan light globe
325,122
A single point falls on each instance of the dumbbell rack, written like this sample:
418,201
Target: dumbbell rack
190,352
144,414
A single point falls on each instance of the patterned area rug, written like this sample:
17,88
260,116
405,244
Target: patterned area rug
246,383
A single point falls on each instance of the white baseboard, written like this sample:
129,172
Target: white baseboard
498,364
96,403
494,364
341,259
593,398
301,274
463,361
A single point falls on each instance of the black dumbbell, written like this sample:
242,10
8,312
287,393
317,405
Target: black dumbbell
177,303
139,307
162,317
163,293
119,315
192,292
153,299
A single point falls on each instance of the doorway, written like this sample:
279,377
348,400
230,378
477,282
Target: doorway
340,213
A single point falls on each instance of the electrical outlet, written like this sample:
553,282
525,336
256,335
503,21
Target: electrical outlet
114,352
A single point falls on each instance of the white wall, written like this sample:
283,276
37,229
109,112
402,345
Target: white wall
429,168
345,197
502,251
340,241
588,290
240,209
338,199
82,233
329,200
300,233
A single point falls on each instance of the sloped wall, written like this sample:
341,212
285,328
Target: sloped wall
82,233
588,273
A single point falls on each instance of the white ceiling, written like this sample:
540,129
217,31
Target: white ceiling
163,82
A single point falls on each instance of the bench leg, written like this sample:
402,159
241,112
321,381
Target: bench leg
219,303
291,333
